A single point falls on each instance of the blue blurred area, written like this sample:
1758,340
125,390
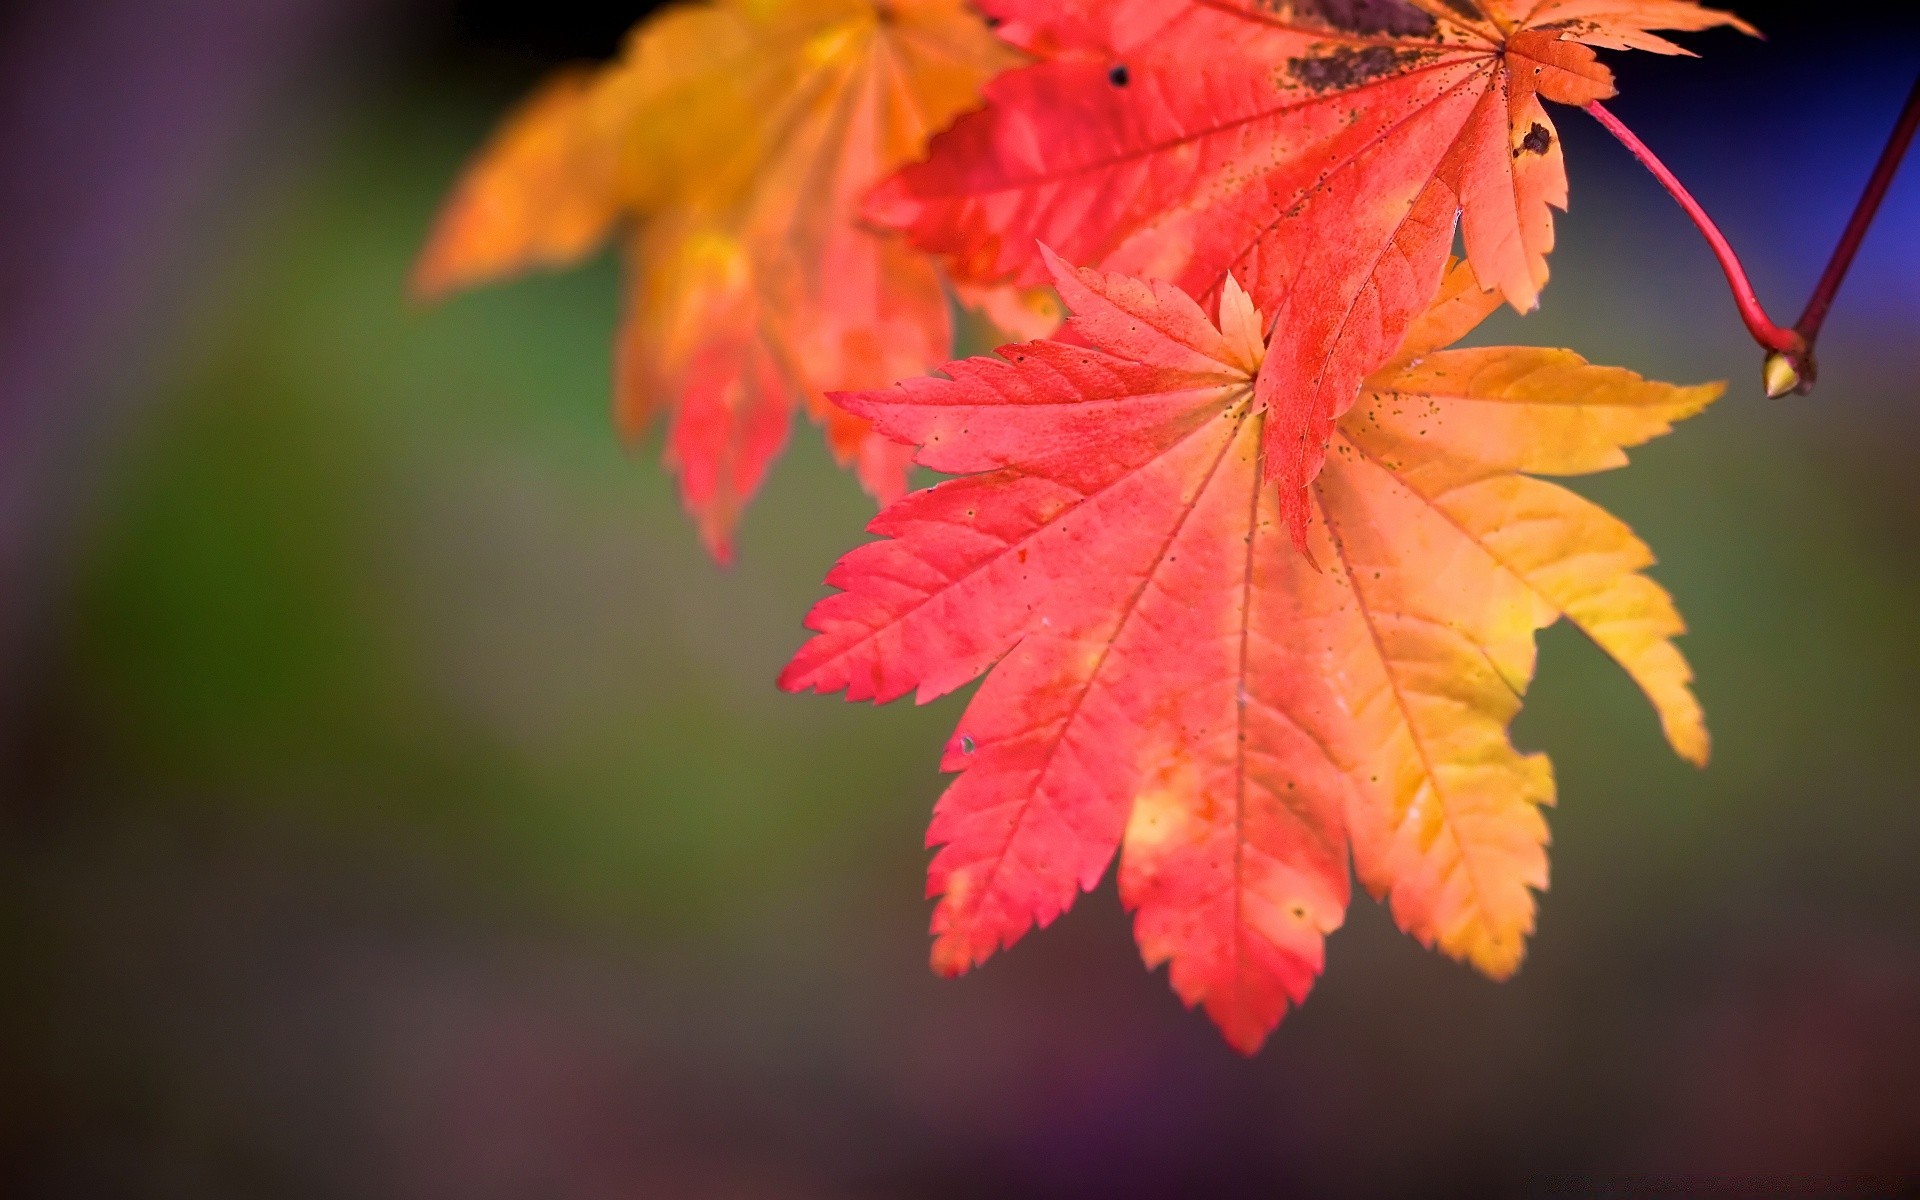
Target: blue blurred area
397,802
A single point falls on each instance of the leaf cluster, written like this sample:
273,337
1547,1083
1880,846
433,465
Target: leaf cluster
1250,557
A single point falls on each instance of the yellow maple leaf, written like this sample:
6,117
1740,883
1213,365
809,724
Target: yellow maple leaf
731,146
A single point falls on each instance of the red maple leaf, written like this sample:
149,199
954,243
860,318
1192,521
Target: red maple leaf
1166,677
1317,149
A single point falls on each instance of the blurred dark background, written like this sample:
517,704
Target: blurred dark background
395,803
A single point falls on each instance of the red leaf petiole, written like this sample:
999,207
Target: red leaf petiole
1790,363
1770,336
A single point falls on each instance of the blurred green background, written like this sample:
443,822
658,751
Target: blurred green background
397,802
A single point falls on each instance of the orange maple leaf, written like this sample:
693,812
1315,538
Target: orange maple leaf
1319,150
731,145
1166,677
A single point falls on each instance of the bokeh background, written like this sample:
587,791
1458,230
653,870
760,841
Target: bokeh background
394,802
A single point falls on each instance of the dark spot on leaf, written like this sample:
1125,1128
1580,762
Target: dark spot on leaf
1537,141
1397,17
1348,67
966,744
1119,76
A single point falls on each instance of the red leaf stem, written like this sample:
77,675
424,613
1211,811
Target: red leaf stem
1769,335
1790,363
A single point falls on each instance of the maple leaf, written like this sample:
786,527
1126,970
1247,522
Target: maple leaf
1319,150
731,146
1165,676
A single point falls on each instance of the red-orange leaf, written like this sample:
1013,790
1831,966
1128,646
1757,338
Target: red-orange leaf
1317,149
1166,677
732,143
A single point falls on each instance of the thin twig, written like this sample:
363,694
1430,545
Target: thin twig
1822,299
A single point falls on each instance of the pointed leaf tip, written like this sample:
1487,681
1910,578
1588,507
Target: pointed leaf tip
1241,325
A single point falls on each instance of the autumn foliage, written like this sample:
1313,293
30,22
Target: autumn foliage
729,150
1169,677
1321,156
1250,556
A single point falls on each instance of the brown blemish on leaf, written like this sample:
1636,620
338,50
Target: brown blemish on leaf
1537,141
1393,17
1572,27
1349,67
